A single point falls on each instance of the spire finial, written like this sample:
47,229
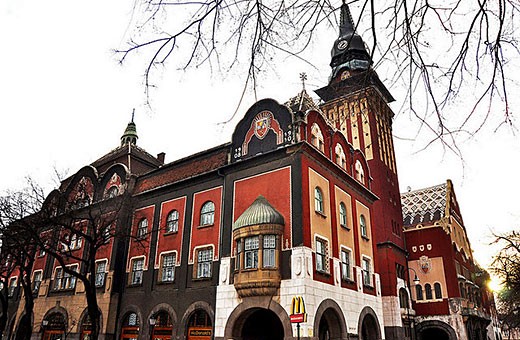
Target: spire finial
130,134
303,78
346,22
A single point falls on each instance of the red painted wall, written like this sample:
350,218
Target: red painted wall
206,235
171,241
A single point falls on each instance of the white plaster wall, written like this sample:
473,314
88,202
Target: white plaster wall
314,293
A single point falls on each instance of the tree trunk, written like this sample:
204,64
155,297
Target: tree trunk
3,317
25,325
93,309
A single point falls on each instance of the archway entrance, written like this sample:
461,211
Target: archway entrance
199,326
261,324
369,328
130,329
434,333
162,327
330,326
54,327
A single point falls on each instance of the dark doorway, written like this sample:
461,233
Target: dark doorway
369,328
434,334
262,324
330,325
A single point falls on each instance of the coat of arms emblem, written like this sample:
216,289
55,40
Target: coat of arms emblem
425,263
262,123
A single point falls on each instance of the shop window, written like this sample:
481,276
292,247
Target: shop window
321,255
438,290
207,214
101,267
345,265
137,271
142,228
419,292
130,330
251,252
172,222
343,215
363,226
318,200
204,261
367,273
161,326
428,291
168,267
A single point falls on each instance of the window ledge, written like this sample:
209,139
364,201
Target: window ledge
168,233
132,285
365,238
368,286
323,272
322,214
160,283
347,280
205,225
345,227
201,278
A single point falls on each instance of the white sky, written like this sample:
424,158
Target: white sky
65,101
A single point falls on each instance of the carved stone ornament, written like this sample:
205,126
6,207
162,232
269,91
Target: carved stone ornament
425,263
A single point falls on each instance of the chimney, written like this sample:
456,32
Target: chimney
160,157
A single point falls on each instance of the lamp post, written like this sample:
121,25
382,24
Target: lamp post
416,281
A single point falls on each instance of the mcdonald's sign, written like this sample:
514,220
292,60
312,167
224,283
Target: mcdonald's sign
298,313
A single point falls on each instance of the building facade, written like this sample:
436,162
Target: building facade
451,298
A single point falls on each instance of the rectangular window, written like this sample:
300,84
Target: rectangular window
100,273
251,245
345,264
239,255
58,277
269,251
36,282
321,255
204,260
137,272
367,275
168,268
64,280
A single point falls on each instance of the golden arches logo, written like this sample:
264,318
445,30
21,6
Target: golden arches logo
297,305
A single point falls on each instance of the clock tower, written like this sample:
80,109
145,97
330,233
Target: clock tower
355,101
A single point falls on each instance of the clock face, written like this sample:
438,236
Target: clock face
342,44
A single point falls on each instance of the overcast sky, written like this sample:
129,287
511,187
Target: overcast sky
65,101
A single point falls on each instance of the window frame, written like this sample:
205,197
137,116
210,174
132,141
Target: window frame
428,292
142,228
251,250
204,257
13,284
363,228
99,280
366,271
437,288
135,278
343,216
346,266
318,200
172,221
207,215
322,253
419,296
269,246
170,267
36,283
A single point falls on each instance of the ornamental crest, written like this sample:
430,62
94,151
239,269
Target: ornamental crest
425,263
262,123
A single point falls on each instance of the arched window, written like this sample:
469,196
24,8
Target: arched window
363,226
207,213
318,200
428,291
360,173
418,292
341,160
130,327
161,325
112,192
342,215
142,227
317,137
403,298
438,290
172,221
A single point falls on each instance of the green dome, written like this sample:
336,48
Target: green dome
259,212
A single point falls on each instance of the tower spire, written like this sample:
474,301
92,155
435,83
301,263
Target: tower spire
346,22
130,134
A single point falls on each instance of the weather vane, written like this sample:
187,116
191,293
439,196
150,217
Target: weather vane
303,77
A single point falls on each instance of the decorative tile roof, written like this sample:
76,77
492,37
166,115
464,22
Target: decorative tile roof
259,212
424,205
301,102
